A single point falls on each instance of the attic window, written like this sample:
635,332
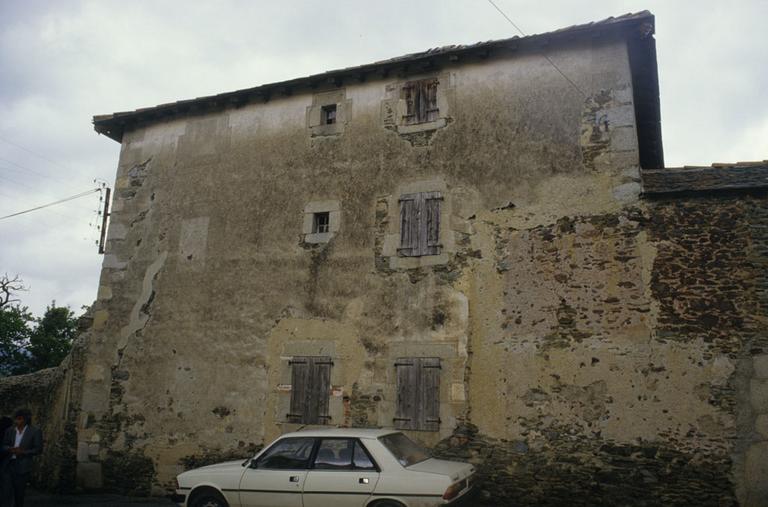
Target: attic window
321,222
328,114
421,101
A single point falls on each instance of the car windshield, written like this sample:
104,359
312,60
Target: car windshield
406,451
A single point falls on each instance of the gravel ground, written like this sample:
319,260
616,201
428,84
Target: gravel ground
37,499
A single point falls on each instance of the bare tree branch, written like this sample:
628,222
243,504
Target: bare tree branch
8,289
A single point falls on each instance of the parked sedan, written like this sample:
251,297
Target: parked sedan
334,467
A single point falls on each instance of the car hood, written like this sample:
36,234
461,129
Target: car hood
456,470
228,466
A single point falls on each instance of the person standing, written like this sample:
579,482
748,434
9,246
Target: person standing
21,443
5,423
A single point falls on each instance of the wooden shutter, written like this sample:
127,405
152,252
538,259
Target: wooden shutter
299,385
406,416
430,100
310,389
420,224
429,395
410,94
431,240
418,393
409,225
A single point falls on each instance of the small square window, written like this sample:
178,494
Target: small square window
321,222
328,114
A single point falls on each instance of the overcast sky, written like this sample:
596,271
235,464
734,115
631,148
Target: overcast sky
63,61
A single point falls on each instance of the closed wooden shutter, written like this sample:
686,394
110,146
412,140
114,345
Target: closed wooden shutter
420,224
421,101
430,100
432,202
409,225
310,389
406,413
430,394
418,394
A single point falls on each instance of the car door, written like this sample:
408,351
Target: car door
342,474
276,478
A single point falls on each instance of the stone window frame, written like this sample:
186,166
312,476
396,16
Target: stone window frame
333,208
392,234
394,108
316,113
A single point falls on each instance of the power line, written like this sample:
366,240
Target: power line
43,157
28,187
575,86
70,198
23,169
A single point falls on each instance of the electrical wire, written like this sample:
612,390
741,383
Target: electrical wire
43,157
70,198
575,86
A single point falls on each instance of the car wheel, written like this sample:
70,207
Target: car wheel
387,503
208,500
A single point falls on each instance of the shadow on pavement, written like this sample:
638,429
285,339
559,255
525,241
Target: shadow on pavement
38,499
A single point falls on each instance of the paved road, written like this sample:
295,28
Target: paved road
37,499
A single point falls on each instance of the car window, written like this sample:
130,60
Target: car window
360,460
287,454
334,454
406,451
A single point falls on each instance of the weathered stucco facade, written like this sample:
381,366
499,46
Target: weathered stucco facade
595,346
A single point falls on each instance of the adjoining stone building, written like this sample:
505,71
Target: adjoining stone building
459,243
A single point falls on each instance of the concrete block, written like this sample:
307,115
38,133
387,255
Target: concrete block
624,160
761,425
756,470
761,366
623,95
319,206
89,475
105,292
112,262
457,392
622,116
623,139
758,395
627,193
100,318
117,231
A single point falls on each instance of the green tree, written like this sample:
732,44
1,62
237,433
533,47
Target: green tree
14,338
51,340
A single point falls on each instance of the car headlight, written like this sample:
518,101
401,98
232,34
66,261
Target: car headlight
454,490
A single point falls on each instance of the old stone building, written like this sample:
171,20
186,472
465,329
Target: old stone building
460,243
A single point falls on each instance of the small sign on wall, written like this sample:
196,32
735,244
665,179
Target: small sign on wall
284,387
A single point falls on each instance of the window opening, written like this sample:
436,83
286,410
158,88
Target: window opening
328,114
321,222
421,101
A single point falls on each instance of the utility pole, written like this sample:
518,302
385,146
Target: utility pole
104,216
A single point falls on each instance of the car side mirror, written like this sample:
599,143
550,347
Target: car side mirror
253,464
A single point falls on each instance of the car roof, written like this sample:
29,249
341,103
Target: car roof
342,432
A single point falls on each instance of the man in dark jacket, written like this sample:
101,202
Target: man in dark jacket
20,444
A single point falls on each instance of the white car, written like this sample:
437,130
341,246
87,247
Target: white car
333,467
